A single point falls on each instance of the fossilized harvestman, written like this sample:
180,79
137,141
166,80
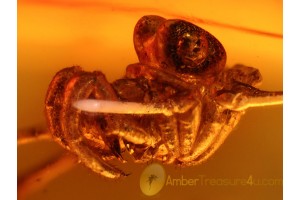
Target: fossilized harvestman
176,106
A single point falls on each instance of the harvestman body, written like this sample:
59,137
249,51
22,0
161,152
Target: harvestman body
176,106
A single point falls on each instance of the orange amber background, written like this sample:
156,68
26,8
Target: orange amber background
97,35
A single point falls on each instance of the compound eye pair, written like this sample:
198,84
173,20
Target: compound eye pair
178,45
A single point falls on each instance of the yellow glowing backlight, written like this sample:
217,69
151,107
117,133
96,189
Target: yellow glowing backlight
98,35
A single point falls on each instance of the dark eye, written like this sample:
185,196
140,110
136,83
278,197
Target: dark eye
188,49
178,46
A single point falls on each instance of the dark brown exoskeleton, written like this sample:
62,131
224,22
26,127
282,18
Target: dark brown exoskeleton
181,72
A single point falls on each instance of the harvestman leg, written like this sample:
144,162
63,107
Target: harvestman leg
27,137
236,105
68,86
40,178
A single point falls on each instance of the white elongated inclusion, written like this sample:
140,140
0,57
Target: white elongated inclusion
119,107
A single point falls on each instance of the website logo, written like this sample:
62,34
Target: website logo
152,179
